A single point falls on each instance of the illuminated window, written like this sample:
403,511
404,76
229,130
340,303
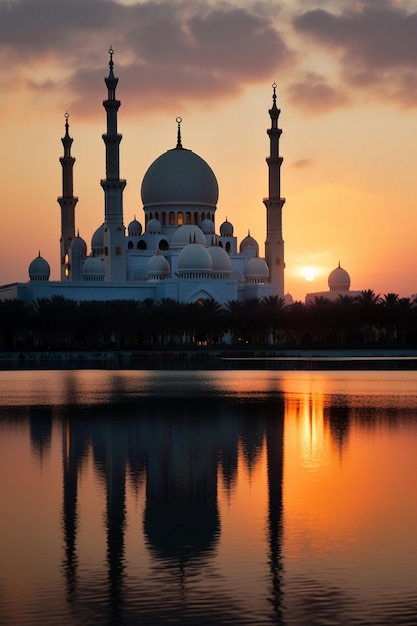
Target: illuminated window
67,265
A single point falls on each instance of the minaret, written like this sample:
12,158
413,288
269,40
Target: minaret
274,245
113,186
67,203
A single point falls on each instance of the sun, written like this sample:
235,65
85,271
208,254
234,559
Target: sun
309,273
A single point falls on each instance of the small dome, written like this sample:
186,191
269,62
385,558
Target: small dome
134,228
97,240
226,229
78,244
179,177
195,258
39,269
221,262
339,280
158,266
187,233
93,269
154,226
249,243
256,270
207,226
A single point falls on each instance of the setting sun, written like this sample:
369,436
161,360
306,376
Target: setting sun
309,273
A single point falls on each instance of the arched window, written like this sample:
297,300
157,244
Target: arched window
67,265
164,218
203,216
228,247
196,218
163,244
171,218
188,217
141,245
106,251
180,218
130,245
118,250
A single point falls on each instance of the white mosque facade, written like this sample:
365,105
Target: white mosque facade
177,253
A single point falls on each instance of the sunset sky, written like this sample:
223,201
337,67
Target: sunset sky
347,89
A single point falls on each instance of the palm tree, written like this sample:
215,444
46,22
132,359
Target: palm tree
170,320
297,322
389,311
321,318
244,321
55,321
16,324
367,303
273,309
207,321
345,318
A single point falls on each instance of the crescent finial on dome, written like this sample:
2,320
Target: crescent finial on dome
179,144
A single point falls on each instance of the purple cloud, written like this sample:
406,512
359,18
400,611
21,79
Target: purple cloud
314,95
376,47
165,52
302,164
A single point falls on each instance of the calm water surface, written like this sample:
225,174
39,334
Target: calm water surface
208,497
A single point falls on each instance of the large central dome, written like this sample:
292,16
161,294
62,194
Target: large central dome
179,177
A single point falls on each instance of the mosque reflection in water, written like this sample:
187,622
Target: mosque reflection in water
169,472
177,456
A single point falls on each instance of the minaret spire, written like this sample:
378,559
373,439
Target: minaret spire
67,203
274,244
113,186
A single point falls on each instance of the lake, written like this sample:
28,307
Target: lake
208,497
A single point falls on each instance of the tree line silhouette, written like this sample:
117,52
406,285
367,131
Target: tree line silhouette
60,324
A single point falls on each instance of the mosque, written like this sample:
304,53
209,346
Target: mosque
339,286
177,253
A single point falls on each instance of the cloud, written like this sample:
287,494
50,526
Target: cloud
167,52
314,95
302,164
375,44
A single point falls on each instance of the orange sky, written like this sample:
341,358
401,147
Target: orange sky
348,99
